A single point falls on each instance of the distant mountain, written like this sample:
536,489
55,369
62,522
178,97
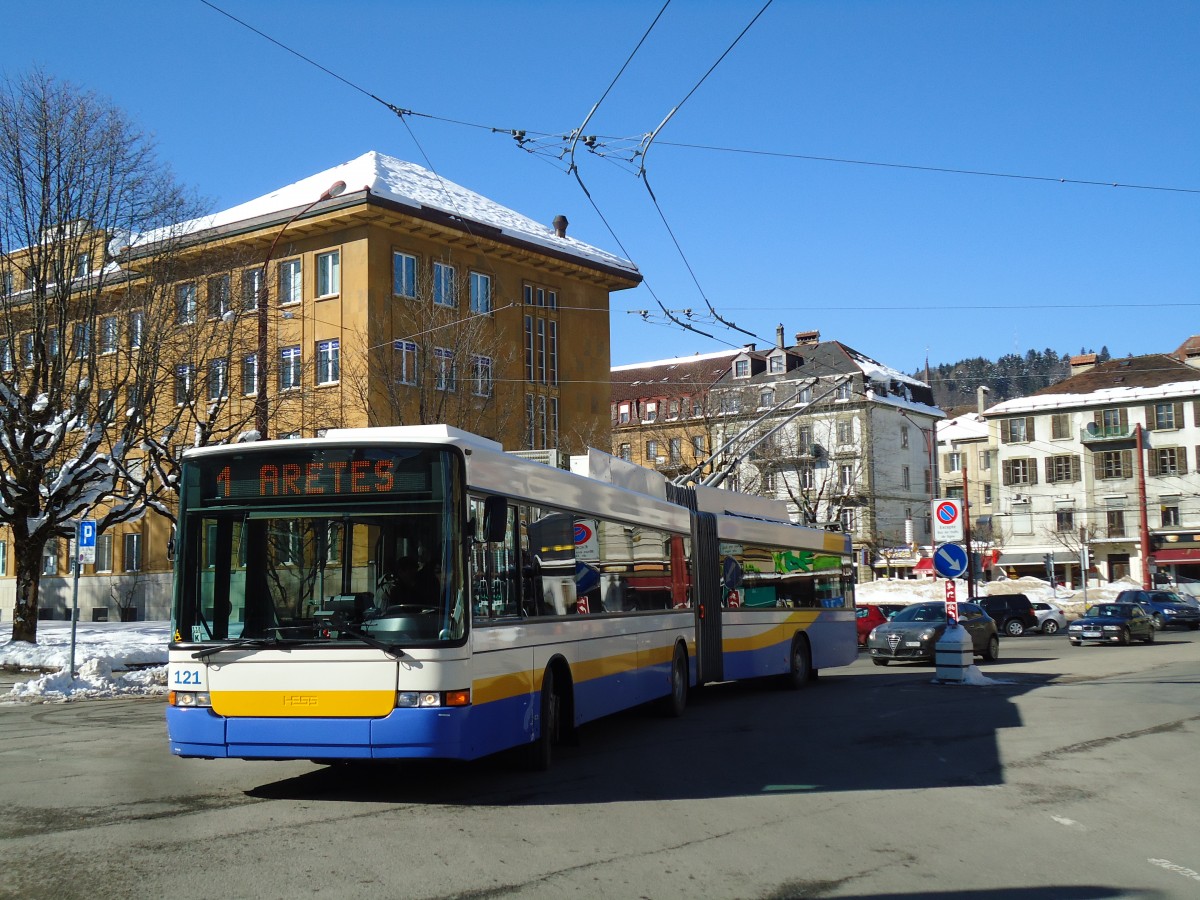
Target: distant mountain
955,384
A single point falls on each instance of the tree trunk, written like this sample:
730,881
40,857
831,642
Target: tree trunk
27,557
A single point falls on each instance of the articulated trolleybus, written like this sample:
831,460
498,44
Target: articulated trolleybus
418,592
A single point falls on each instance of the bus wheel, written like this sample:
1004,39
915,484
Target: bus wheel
541,750
801,671
673,704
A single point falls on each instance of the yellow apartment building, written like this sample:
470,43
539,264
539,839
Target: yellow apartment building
389,296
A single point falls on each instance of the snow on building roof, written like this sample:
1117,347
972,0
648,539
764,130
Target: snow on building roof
1114,382
408,184
678,360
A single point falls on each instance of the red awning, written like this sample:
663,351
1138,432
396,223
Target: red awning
924,565
1169,557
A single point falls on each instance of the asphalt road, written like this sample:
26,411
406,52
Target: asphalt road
1074,776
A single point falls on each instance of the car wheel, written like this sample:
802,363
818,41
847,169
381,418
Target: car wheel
1050,627
880,662
1158,621
1014,628
1193,626
993,649
1149,638
1123,638
1075,643
801,671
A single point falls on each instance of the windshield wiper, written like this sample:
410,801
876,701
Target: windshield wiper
243,642
389,649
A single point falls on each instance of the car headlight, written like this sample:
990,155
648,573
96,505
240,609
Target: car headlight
1170,612
189,699
871,636
1075,628
1112,627
927,634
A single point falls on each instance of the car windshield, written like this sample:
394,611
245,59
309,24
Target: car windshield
921,612
1112,610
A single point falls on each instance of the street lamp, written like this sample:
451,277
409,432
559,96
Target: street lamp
260,400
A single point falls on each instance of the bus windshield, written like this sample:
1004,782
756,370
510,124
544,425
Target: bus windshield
332,560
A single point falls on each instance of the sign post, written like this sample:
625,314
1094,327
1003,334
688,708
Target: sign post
85,552
951,602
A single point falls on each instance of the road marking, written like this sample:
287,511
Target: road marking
1070,823
1178,870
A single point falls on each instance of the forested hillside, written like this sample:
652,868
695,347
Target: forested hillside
954,384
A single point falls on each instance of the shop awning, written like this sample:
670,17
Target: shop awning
1181,555
923,565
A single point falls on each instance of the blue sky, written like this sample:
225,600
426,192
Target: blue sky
896,262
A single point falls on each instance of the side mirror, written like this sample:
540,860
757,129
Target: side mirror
495,519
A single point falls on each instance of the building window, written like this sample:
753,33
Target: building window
529,348
218,296
6,356
625,453
651,451
623,414
843,391
82,265
676,451
698,447
137,329
289,368
845,476
103,553
553,426
329,273
954,491
697,407
133,553
987,493
406,362
954,462
185,304
766,398
1112,422
291,282
846,517
1060,426
1170,517
1167,416
218,379
1168,461
650,412
3,557
904,478
673,410
741,368
529,436
1116,523
777,365
1064,521
185,380
807,478
481,293
481,376
250,374
903,437
443,284
252,284
541,351
1062,468
543,428
443,363
552,351
804,395
81,339
985,460
110,334
1114,464
804,439
768,480
50,557
1019,471
329,361
27,349
404,274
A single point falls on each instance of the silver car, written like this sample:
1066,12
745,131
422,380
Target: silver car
1050,617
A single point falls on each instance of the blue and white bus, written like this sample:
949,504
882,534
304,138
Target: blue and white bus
416,592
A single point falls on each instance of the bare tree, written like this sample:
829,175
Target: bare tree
78,184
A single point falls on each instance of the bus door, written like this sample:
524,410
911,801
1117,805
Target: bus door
706,557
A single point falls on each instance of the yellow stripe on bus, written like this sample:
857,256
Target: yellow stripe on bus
769,636
304,704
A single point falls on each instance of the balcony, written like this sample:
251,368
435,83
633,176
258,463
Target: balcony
1105,434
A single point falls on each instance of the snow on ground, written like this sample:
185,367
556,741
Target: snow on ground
105,650
103,653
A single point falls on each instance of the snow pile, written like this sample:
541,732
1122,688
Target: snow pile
103,651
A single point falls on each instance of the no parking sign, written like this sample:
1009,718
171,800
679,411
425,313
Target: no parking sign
947,521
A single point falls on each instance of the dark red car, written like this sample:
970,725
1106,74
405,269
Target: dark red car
872,614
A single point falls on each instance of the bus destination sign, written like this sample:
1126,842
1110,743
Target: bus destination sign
321,476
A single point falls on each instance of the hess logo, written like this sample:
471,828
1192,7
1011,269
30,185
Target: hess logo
299,700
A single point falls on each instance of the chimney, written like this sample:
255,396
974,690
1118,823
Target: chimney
808,337
1084,363
779,335
560,226
981,398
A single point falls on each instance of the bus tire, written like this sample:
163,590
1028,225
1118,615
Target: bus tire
673,705
541,750
800,670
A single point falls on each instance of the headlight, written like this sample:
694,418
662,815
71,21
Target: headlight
1075,628
429,699
1170,612
189,699
871,636
927,634
1112,627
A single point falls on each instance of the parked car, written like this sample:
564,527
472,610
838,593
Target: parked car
872,614
1013,613
912,633
1112,623
1164,608
1051,618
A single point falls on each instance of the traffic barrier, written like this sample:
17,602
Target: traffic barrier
953,654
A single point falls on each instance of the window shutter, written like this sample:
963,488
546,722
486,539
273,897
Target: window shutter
1031,468
1075,468
1182,456
1124,414
1196,413
1151,462
1151,417
1178,407
1006,472
1126,458
1049,469
1029,433
1005,434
